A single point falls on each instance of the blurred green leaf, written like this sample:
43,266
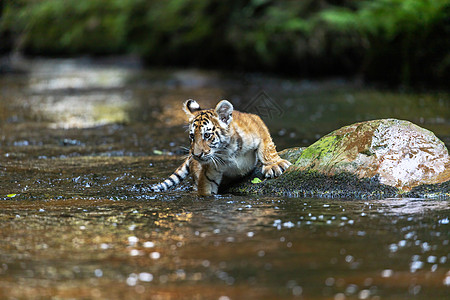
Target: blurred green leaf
407,37
256,180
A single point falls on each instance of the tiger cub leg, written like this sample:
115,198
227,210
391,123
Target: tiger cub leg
208,181
206,178
273,164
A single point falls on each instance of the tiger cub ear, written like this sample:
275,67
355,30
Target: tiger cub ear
190,106
224,110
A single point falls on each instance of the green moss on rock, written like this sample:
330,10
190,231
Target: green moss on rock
319,149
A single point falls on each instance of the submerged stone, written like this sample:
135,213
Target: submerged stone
373,159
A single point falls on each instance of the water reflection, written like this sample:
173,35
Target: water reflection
73,94
80,144
225,246
80,93
402,206
59,75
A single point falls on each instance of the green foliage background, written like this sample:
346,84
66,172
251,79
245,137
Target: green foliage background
393,41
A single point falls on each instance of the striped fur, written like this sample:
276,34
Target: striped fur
225,145
178,176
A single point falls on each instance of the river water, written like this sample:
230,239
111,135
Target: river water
82,141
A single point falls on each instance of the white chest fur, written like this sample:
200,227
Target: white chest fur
240,165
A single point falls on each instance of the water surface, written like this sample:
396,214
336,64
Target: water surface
80,143
184,247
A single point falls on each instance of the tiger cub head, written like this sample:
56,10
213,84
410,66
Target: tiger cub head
208,130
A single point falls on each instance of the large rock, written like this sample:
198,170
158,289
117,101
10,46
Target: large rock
381,158
402,154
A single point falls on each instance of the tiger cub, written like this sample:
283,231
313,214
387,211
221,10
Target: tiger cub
225,145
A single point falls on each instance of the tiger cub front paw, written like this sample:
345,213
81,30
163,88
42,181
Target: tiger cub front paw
275,169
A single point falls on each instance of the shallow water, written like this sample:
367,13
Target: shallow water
237,247
81,142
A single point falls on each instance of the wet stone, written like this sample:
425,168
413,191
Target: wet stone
400,153
373,159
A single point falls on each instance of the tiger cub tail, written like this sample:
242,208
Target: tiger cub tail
181,173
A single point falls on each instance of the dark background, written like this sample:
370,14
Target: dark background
393,42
